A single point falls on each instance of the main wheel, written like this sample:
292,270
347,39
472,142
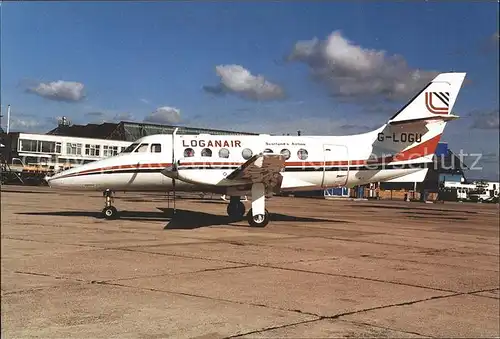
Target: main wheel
236,210
110,212
259,220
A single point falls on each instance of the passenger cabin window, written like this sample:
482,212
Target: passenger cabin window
188,152
130,148
286,153
224,153
268,150
206,152
155,148
142,148
302,154
246,153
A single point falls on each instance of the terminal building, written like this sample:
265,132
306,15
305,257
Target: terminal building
69,145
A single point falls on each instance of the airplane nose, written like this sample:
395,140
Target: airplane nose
47,179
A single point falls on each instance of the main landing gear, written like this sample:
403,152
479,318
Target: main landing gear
109,211
257,216
236,209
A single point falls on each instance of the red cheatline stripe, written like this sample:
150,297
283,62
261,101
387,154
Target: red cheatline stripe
101,169
421,150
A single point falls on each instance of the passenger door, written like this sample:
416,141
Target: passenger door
335,169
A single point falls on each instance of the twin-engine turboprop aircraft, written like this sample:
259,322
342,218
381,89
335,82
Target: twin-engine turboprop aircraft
398,151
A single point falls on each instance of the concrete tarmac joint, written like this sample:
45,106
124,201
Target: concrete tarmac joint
378,269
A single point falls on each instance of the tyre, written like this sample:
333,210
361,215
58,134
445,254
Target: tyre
259,220
236,210
110,212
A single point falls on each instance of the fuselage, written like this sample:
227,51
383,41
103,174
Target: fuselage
312,162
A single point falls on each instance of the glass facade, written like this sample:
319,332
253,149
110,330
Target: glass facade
132,131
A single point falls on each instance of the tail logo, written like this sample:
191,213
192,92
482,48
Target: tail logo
437,102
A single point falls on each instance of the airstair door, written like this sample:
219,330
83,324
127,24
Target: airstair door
335,169
172,158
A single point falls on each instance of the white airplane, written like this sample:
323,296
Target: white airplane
260,165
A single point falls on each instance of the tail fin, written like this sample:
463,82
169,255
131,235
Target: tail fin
434,102
414,132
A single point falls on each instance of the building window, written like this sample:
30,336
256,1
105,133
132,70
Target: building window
246,153
224,153
109,151
58,147
74,149
155,148
28,145
92,150
286,153
188,153
302,154
206,152
47,146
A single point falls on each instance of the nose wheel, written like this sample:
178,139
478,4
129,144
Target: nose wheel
109,212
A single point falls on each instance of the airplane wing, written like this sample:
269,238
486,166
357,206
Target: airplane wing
264,168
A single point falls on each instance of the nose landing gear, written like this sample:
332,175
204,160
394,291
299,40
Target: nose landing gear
109,212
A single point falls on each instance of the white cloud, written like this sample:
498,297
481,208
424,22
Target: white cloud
60,90
164,115
21,122
24,123
238,80
351,71
99,117
307,125
123,117
486,120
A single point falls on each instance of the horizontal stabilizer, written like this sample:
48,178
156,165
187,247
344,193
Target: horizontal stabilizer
425,120
418,176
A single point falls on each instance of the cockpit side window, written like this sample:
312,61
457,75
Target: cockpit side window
142,148
130,148
155,148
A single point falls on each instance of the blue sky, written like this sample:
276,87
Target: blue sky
198,63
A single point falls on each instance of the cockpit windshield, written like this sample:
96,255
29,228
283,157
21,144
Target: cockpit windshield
143,148
131,148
